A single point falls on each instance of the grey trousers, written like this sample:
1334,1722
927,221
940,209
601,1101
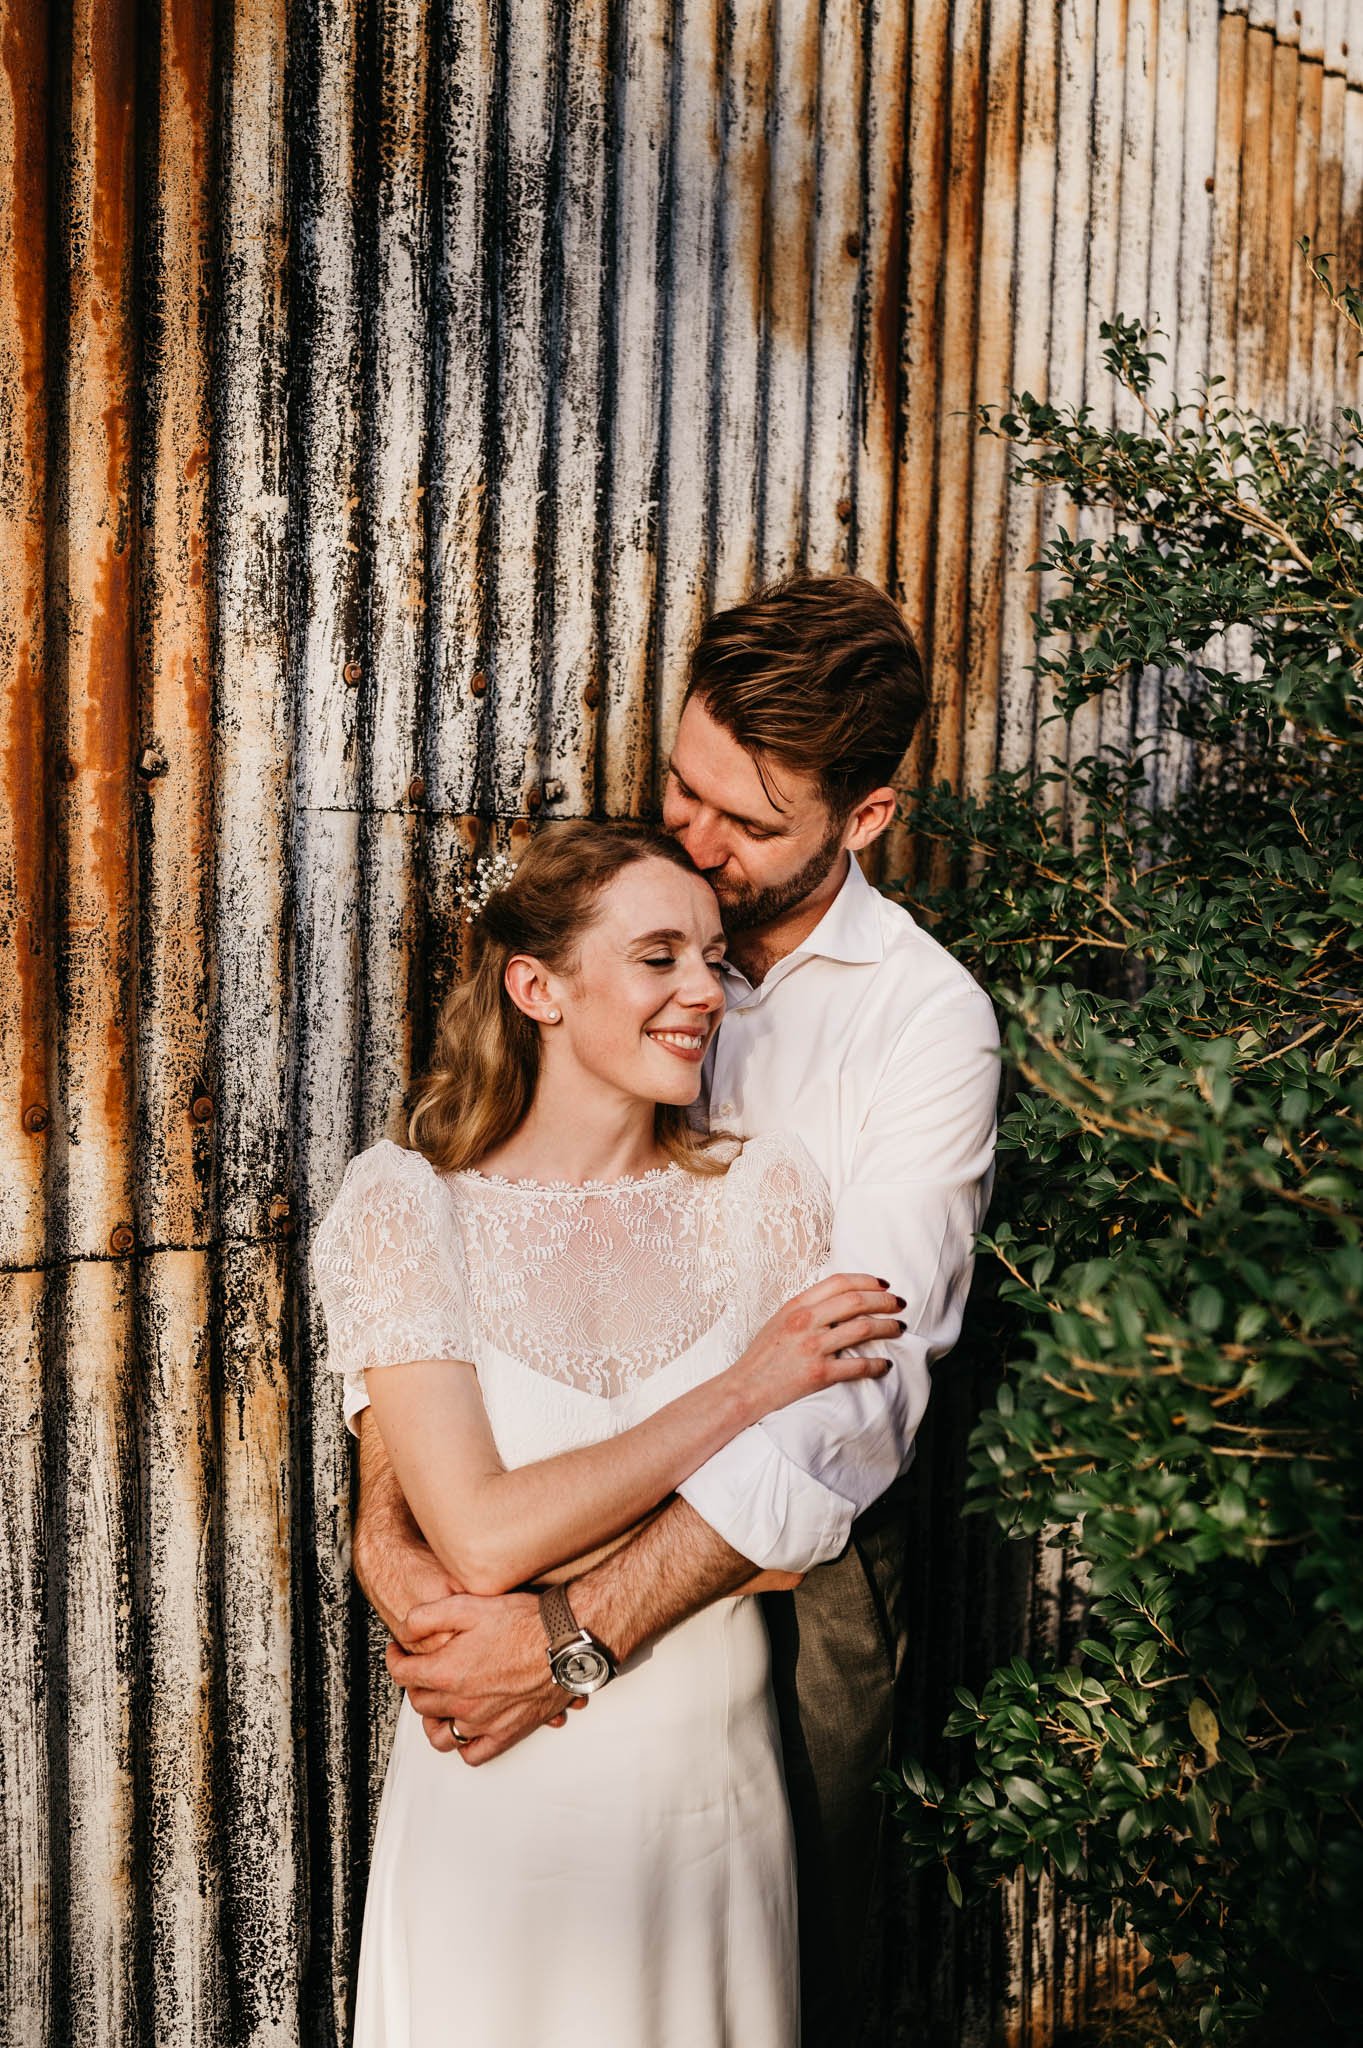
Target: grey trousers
838,1646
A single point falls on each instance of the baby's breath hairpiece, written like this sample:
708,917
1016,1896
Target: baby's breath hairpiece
491,871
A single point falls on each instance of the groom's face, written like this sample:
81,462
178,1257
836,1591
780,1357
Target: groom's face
763,845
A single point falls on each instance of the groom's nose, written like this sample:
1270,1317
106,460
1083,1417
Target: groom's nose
702,836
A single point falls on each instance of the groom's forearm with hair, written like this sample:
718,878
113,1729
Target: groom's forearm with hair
673,1567
395,1566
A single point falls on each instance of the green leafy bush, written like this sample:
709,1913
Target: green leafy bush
1178,1221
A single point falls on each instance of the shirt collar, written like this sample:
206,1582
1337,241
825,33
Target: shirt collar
849,930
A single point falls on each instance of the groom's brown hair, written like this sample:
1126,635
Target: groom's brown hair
819,673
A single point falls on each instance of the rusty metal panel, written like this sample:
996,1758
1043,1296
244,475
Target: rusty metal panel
386,392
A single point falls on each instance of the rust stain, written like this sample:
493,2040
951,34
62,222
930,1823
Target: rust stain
114,78
108,726
191,26
24,45
28,810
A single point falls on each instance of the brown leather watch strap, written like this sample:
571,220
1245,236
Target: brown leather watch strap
560,1623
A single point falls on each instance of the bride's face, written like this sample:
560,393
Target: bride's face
644,998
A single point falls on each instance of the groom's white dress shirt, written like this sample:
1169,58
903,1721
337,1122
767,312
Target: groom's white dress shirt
876,1047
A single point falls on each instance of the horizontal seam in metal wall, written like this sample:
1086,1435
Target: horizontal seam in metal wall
1302,56
147,1251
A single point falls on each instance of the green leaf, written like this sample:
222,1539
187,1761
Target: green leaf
1024,1795
1205,1726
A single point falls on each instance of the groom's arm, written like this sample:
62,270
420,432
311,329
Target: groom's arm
396,1568
787,1491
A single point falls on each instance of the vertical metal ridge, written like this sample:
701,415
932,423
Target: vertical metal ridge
1329,203
464,347
1033,260
1106,720
830,494
913,553
328,645
741,205
177,1839
993,378
30,1797
28,770
578,495
791,205
98,1467
885,181
687,426
1348,369
954,399
254,1155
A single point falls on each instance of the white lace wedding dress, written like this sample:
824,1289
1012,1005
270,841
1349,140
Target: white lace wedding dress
629,1879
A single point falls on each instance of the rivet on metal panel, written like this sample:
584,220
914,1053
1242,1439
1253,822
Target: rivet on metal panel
201,1109
534,800
66,768
1210,184
853,244
121,1239
278,1211
152,763
416,789
591,696
36,1119
477,683
353,671
844,510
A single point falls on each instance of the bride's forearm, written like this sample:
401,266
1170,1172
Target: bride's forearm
573,1567
495,1529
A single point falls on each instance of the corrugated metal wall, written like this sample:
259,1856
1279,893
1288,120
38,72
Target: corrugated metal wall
387,389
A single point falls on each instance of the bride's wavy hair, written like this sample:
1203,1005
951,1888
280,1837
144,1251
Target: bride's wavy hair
486,1060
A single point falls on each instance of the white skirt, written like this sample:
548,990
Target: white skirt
627,1880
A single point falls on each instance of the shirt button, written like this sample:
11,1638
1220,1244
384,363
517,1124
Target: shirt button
725,1108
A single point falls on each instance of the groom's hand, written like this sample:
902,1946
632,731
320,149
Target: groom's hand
490,1676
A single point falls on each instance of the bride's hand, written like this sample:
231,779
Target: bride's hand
803,1348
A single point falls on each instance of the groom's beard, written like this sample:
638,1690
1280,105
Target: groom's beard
742,908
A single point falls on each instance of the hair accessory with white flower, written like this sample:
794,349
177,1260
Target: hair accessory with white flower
491,871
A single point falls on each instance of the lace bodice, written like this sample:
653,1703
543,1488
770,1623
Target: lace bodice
597,1289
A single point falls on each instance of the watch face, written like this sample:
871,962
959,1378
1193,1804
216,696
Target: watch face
582,1668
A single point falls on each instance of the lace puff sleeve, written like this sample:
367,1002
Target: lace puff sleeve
780,1220
388,1266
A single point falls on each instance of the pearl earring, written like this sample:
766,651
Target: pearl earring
552,1016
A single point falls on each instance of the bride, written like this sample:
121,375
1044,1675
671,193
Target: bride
564,1299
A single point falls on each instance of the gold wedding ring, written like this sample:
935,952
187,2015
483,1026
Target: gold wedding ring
460,1739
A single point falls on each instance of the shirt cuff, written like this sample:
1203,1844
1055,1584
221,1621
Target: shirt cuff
355,1399
766,1508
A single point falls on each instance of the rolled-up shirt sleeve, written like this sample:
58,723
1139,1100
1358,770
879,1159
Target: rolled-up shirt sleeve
786,1492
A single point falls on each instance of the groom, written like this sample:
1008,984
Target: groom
848,1026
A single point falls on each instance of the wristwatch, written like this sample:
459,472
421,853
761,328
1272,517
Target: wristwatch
579,1663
